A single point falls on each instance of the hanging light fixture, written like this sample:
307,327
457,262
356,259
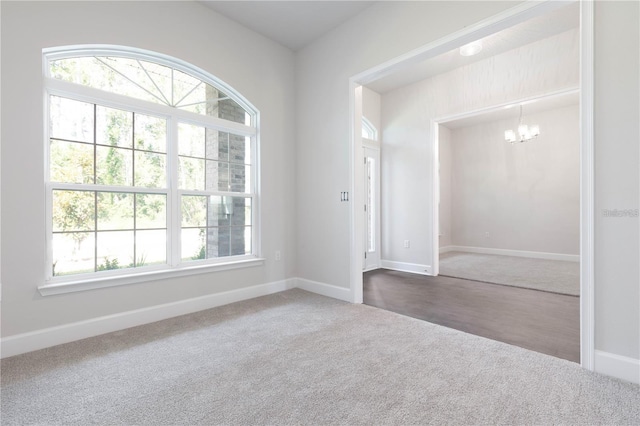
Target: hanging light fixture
525,133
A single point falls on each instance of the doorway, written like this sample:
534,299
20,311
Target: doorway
512,17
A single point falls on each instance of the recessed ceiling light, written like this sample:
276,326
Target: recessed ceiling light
471,49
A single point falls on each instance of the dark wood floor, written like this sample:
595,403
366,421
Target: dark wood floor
536,320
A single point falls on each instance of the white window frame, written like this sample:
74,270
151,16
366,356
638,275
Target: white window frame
174,266
369,129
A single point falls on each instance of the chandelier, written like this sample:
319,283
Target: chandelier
525,133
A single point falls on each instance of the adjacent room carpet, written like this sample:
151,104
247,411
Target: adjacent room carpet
299,358
555,276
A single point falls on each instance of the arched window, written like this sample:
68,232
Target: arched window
368,130
151,166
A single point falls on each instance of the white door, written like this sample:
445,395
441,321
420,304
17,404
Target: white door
371,208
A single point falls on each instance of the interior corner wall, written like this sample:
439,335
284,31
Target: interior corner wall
541,67
521,196
259,69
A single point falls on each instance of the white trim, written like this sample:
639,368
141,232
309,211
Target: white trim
511,103
514,253
356,219
329,290
414,268
127,277
446,249
505,19
618,366
587,186
40,339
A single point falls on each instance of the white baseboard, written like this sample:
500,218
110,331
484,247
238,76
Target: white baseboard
620,367
340,293
407,267
40,339
516,253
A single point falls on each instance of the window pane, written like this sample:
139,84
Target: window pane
225,211
71,162
217,178
220,211
240,178
241,211
115,250
240,245
218,242
217,145
150,82
194,210
239,149
114,166
193,244
191,140
73,253
151,211
73,210
114,127
190,173
72,120
186,89
150,133
115,211
151,248
150,170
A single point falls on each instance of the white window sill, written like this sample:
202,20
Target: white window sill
50,289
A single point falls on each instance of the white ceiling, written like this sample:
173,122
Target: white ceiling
293,24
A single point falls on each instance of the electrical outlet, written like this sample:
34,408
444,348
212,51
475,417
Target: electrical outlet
407,243
278,255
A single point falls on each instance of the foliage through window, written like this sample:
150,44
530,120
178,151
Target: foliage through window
151,164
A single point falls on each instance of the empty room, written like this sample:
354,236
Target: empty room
182,198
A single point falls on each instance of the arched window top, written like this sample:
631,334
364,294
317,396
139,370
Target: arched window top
148,76
368,130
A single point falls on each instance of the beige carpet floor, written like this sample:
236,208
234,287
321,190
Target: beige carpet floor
295,358
555,276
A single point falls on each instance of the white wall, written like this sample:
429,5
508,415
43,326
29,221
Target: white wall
544,66
617,181
371,108
446,171
258,68
388,30
526,196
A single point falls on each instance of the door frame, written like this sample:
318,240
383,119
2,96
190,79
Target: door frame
503,20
